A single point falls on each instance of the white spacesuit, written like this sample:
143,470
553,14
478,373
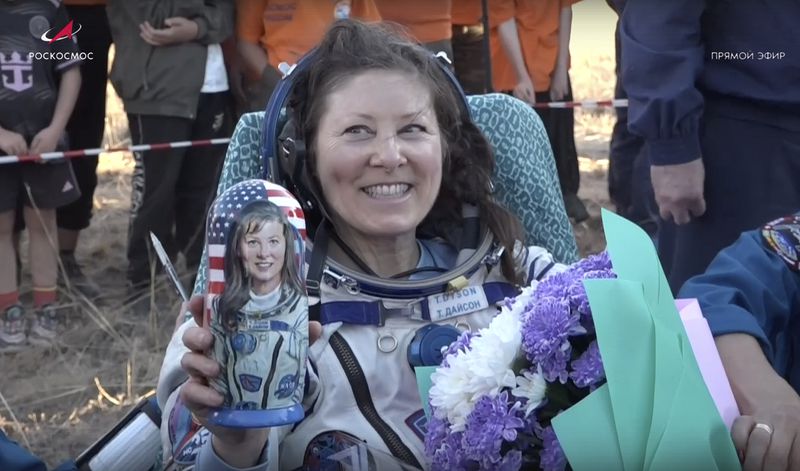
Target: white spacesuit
355,396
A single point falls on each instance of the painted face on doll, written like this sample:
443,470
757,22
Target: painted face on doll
263,252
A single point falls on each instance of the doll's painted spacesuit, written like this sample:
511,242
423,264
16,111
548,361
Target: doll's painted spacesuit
262,360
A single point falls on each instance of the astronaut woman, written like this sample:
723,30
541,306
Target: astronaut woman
261,336
412,250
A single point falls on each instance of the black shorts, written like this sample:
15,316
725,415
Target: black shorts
52,184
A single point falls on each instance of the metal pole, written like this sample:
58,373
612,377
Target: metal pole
487,49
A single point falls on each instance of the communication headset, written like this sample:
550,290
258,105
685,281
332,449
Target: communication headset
284,154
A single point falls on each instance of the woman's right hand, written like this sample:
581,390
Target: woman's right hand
196,393
239,448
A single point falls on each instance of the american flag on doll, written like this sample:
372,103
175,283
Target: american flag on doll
226,209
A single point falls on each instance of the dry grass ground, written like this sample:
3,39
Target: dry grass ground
58,401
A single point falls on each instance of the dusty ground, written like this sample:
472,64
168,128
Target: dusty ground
58,401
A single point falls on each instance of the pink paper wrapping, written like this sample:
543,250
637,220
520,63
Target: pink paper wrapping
707,356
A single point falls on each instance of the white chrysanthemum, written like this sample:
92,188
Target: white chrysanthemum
530,386
485,369
449,393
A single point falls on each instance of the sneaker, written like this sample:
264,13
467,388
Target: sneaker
46,326
576,210
12,329
77,280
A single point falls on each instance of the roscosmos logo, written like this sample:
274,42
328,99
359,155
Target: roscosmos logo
67,32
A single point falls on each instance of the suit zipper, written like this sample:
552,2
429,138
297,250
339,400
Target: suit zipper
275,354
358,383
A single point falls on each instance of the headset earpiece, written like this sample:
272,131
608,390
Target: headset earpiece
292,160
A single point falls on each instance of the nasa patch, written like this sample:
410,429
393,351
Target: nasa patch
286,386
782,236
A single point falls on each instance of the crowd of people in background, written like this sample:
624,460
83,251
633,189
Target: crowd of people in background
188,73
192,69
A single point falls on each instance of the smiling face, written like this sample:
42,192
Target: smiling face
263,252
379,153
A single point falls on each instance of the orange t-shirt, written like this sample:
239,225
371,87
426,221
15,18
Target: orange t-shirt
84,2
287,29
466,12
537,28
427,20
470,12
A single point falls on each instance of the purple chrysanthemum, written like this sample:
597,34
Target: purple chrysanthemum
599,261
545,336
449,455
554,286
588,369
462,344
512,461
490,423
578,301
438,429
552,457
576,293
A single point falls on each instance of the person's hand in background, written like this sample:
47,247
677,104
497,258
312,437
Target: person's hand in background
559,84
679,190
12,143
177,30
525,92
45,140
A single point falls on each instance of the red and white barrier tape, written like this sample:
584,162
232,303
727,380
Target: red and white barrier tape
71,154
588,104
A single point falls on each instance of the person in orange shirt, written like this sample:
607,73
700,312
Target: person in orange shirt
273,31
427,21
530,59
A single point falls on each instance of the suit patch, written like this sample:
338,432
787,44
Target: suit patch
331,451
187,454
250,383
185,435
418,424
287,386
782,236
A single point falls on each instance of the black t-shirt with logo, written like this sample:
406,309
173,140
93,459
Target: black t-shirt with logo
30,64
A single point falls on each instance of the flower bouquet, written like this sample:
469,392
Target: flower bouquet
590,368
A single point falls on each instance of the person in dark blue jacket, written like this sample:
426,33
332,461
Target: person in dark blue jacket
628,170
717,79
750,295
15,458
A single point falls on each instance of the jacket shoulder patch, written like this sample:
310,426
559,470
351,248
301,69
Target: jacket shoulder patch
782,236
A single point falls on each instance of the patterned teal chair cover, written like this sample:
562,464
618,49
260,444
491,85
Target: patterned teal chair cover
525,175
